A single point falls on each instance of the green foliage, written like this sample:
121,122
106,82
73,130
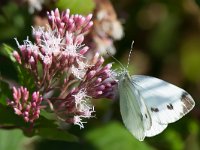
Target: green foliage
193,139
163,35
55,134
190,58
23,75
5,92
177,144
7,51
42,127
76,6
114,136
12,21
8,67
12,140
194,127
10,119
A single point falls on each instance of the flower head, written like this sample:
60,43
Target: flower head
60,50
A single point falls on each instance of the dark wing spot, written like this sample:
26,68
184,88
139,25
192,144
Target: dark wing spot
154,109
170,107
146,116
184,95
188,102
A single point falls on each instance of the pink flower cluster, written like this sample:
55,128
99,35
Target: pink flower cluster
62,72
28,107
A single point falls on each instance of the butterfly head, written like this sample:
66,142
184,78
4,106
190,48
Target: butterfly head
124,71
123,74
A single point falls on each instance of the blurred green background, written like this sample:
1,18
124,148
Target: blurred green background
166,36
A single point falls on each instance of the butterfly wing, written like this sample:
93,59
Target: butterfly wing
133,110
166,102
156,127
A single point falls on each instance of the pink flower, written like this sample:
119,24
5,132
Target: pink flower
72,79
24,105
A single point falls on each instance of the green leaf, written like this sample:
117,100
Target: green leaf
42,127
9,119
76,6
48,129
114,136
48,115
55,134
12,140
5,92
8,67
25,78
7,51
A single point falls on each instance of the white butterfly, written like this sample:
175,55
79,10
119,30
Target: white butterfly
148,104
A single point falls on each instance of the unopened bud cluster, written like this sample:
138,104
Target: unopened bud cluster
26,105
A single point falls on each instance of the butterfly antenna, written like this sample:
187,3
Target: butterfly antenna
130,54
115,59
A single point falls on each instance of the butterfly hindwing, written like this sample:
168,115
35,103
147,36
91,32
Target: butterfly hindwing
133,110
156,127
166,102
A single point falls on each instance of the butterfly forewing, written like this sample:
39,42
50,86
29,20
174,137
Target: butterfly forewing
133,110
166,103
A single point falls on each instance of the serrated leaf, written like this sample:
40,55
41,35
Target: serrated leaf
55,134
114,136
76,6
